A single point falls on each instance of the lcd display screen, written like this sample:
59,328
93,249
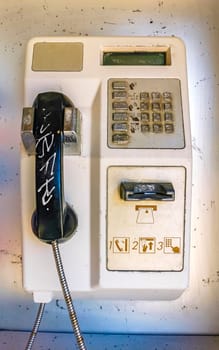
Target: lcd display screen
137,58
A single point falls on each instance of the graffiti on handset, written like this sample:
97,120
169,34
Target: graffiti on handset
44,144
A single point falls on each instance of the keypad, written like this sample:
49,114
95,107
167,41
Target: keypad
152,105
140,109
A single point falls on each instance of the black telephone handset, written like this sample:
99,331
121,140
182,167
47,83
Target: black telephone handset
53,218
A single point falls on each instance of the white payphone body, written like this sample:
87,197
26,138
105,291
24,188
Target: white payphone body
129,180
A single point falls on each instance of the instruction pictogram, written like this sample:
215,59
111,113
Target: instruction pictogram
172,245
121,245
147,245
145,214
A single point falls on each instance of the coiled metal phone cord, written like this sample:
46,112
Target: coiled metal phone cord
68,300
35,327
67,296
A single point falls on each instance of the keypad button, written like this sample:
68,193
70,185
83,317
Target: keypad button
145,117
145,128
119,85
157,128
120,117
167,95
144,96
120,139
156,117
120,105
167,105
155,95
119,94
144,106
155,106
120,127
168,117
169,128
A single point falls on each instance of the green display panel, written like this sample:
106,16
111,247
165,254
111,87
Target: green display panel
134,59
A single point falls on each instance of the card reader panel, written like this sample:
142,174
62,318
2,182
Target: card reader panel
147,233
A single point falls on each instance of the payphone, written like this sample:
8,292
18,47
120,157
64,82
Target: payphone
123,189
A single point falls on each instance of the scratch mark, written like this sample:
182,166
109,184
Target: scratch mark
196,148
212,279
15,258
112,23
58,305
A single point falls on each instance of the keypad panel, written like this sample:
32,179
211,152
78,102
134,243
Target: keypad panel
145,113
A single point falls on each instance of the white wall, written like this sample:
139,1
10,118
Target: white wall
197,23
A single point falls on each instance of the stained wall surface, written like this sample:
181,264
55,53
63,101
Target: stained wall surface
197,23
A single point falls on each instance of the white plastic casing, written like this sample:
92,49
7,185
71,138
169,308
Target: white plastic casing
89,182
